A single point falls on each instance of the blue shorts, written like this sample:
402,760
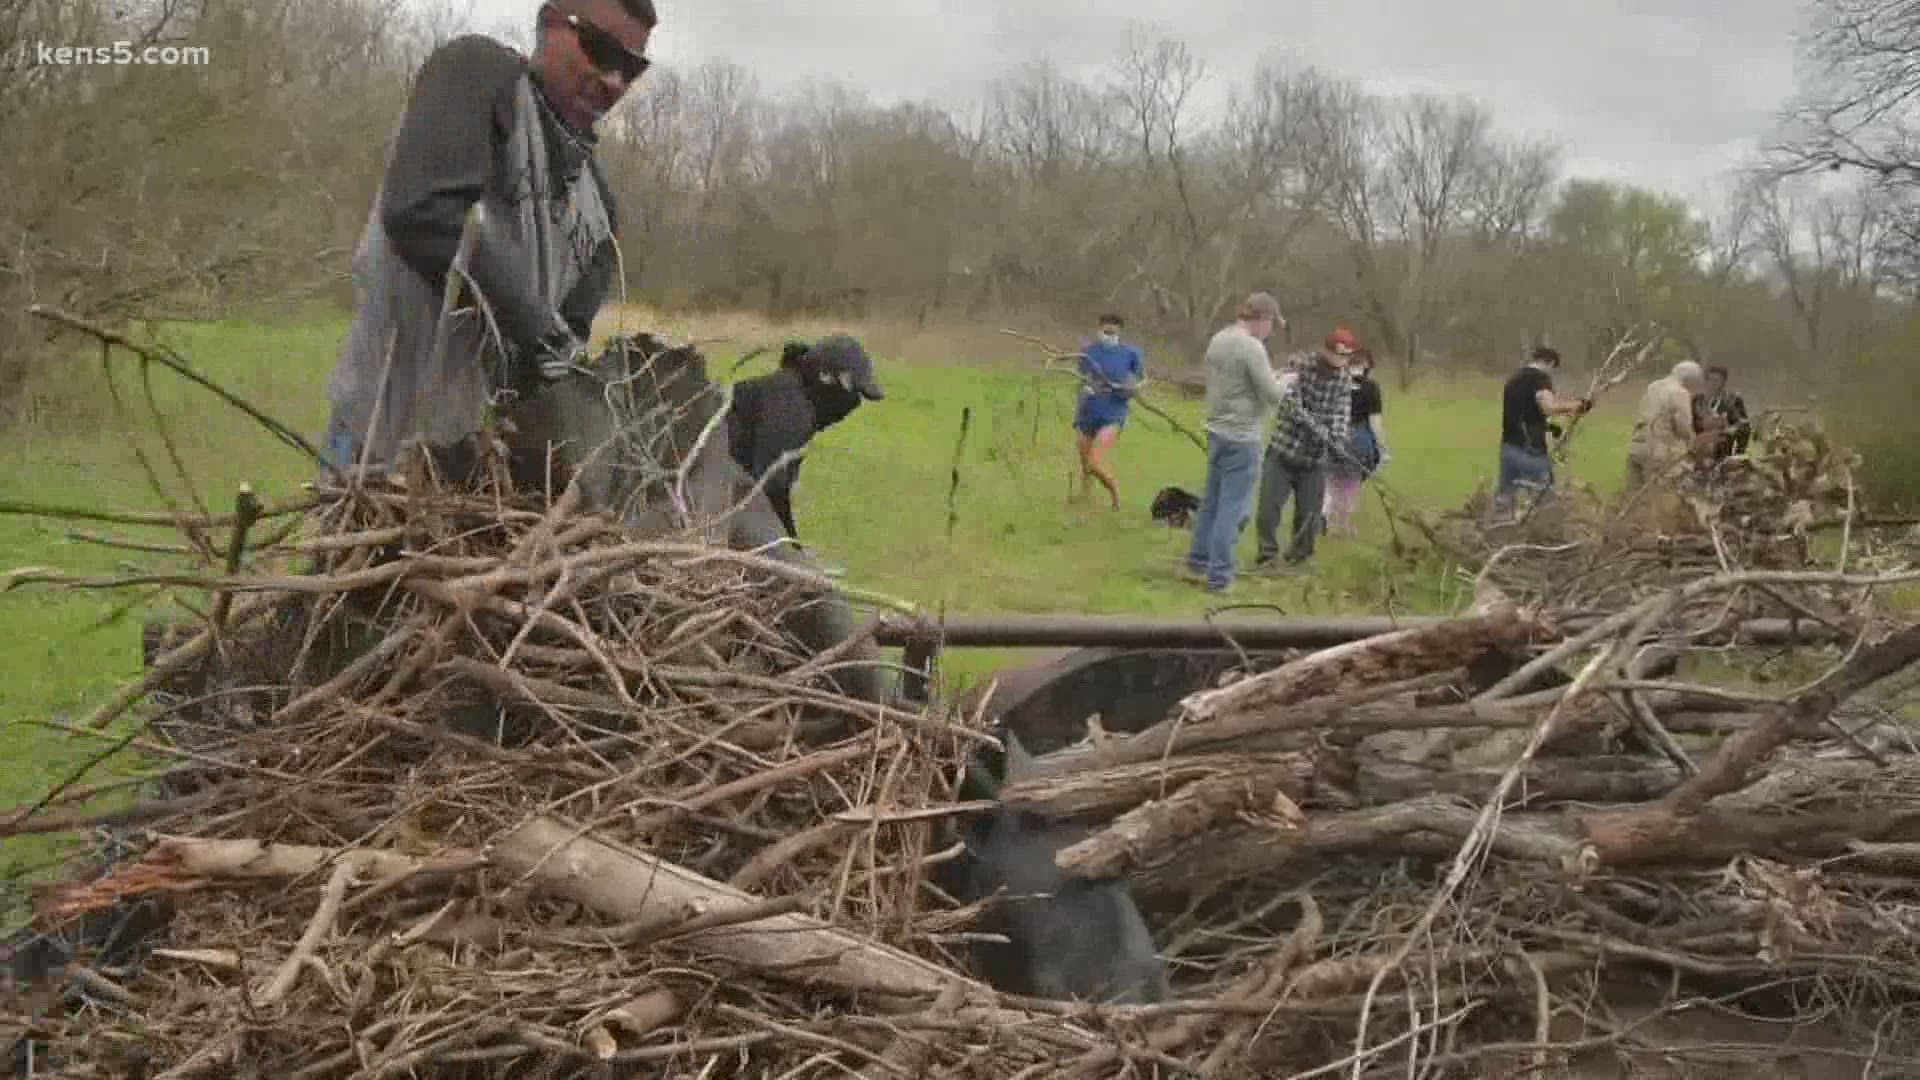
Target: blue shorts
1094,415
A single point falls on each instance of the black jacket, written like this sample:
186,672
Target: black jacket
450,150
777,413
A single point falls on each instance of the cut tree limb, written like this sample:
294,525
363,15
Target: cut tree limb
1370,661
1607,779
623,884
1112,791
179,863
1147,832
1339,716
1415,825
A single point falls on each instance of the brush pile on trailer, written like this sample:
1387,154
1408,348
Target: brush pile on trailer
481,786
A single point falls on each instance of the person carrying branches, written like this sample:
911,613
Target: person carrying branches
1111,372
1315,427
1526,402
1723,413
491,183
1242,391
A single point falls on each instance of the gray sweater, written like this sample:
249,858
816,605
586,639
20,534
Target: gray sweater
1242,390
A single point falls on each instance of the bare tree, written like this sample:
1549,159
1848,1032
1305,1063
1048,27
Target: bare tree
1857,112
1824,247
1410,178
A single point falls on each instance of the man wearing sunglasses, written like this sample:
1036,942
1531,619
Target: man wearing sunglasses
490,172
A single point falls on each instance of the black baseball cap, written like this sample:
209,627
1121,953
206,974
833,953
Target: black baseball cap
840,354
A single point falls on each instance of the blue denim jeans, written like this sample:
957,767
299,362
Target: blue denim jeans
1520,466
1233,468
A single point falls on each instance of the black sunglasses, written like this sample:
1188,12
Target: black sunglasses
606,52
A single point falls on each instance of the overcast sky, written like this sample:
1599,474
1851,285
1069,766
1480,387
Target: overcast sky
1664,93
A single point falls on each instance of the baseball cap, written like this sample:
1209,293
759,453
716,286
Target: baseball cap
842,355
1342,341
1261,306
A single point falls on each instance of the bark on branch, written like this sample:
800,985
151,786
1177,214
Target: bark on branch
628,886
1112,791
1147,832
1371,661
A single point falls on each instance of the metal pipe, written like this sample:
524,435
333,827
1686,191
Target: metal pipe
1124,631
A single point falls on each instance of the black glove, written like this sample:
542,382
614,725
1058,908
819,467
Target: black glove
558,354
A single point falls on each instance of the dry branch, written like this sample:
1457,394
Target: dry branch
1621,836
623,884
1368,662
1147,832
1106,792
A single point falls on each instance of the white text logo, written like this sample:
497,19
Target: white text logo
123,52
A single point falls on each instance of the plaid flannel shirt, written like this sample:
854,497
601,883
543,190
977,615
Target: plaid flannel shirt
1323,400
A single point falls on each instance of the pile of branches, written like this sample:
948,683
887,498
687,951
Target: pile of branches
1394,854
483,780
1577,550
484,786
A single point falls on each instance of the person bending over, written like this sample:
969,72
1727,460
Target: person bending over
778,414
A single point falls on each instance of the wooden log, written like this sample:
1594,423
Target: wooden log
1148,832
1384,658
626,885
1106,792
178,863
1233,857
1345,717
1717,834
1602,779
1804,809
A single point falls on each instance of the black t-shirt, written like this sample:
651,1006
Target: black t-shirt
1366,400
1521,421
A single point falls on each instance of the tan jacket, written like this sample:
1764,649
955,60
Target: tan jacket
1663,427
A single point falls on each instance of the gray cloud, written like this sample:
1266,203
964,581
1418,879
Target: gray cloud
1668,95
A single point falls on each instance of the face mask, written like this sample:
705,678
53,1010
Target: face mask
1111,337
832,399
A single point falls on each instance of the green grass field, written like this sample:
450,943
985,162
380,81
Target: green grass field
875,497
